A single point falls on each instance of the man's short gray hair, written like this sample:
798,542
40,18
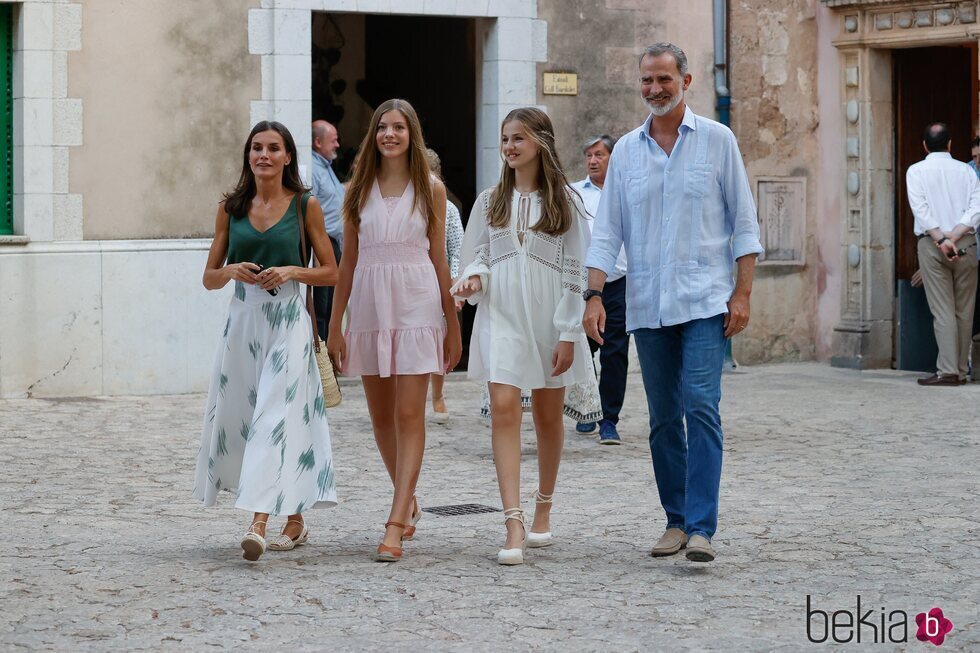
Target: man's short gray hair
605,139
658,49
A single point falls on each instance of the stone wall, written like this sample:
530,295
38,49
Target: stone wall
600,40
773,68
166,88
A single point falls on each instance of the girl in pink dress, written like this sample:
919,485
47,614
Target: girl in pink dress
394,278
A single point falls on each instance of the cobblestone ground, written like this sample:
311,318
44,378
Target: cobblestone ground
836,484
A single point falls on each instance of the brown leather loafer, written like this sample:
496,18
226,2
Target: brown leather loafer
940,379
672,541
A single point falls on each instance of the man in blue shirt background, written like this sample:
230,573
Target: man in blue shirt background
330,193
614,353
677,196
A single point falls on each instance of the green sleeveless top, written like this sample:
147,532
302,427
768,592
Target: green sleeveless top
276,246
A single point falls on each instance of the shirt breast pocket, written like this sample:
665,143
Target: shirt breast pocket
698,179
637,187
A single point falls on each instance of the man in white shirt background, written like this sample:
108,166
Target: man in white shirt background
614,353
945,198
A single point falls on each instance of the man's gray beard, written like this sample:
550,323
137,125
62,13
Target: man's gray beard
662,110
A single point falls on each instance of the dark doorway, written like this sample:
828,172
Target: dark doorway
930,84
431,63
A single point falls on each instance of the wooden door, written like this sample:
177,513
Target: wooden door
931,85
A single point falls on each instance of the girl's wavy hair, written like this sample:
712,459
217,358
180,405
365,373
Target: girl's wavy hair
556,212
366,169
238,201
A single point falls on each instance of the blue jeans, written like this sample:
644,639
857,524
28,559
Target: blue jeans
681,368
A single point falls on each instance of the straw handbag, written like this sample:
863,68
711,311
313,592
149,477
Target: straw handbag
331,389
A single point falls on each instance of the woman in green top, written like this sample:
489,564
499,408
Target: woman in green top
265,436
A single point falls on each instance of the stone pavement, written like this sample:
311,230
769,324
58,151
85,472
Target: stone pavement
836,484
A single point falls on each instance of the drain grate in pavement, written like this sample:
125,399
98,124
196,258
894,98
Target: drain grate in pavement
460,509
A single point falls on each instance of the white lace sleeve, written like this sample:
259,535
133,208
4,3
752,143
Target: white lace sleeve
474,256
575,242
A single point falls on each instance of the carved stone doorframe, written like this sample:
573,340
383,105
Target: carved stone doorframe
869,30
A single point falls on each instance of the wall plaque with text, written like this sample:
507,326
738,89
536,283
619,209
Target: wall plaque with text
560,84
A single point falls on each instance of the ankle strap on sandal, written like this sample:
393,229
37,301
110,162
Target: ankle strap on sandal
394,523
514,513
543,498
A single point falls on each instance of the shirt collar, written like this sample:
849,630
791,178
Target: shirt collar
587,183
322,159
689,121
939,155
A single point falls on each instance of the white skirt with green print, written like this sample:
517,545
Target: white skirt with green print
265,437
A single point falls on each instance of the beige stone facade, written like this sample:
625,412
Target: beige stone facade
600,41
131,118
165,89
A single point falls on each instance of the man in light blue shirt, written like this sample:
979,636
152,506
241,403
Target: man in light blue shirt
614,353
330,193
677,196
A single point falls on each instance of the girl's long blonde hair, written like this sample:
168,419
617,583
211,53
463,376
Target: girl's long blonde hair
366,168
556,212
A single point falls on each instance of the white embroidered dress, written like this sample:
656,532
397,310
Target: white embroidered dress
531,297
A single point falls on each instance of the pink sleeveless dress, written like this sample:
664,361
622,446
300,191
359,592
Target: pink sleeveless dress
396,324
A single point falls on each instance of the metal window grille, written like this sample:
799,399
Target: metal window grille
6,120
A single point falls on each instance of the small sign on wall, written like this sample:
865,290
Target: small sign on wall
560,84
782,219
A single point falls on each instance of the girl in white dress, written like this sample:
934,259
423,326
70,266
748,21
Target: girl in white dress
522,265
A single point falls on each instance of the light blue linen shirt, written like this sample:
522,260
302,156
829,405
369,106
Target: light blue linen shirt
330,193
684,219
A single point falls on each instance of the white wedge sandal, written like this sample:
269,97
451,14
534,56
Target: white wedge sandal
540,540
283,542
253,544
514,556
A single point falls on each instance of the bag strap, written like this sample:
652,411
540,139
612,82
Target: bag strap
310,308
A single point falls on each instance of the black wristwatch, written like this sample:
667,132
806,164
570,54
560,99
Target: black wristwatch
942,240
590,293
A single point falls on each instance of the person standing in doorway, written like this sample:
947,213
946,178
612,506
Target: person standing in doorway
677,196
614,352
403,324
945,195
329,192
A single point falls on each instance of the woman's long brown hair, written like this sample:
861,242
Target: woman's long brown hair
556,212
238,201
366,170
